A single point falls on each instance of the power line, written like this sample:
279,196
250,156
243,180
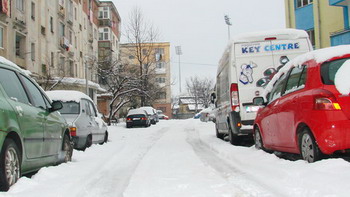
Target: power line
195,63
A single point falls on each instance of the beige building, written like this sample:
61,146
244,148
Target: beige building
54,39
158,62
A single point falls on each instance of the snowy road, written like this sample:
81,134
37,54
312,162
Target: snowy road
182,158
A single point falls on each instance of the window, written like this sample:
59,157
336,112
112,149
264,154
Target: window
70,37
19,45
51,24
159,50
104,34
131,57
33,11
160,80
35,93
32,50
52,60
70,107
12,86
20,5
144,52
1,37
277,89
103,12
160,65
70,11
293,80
302,3
311,33
161,95
61,29
329,69
93,109
61,66
71,68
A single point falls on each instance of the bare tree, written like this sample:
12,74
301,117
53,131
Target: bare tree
200,89
141,36
123,85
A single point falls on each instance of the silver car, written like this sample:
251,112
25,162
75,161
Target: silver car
153,113
86,124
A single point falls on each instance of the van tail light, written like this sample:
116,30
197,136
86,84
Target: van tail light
326,102
73,131
234,96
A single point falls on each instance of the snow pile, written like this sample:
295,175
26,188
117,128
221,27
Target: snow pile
342,79
320,55
67,95
8,62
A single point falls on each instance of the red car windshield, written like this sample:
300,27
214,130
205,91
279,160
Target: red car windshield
329,69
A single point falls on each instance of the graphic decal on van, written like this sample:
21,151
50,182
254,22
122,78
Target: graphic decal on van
270,72
247,73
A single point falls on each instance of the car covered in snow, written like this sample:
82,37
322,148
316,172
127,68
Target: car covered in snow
32,133
306,109
161,115
85,123
152,112
138,117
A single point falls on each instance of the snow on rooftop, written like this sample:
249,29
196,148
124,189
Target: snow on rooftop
278,33
10,63
67,95
70,80
320,55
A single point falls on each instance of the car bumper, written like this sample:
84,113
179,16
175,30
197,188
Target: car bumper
137,123
333,136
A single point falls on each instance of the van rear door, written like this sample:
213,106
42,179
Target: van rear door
254,66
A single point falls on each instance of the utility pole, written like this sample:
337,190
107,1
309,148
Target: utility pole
228,23
179,53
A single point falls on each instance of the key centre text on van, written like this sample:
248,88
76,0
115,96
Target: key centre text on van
271,47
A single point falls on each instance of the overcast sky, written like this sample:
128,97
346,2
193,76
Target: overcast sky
198,26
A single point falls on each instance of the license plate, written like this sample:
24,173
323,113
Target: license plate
136,118
251,109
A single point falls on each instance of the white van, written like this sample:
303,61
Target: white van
246,67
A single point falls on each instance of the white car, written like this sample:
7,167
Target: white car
85,124
153,112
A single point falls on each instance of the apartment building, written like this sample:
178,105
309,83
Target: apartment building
158,61
56,40
326,21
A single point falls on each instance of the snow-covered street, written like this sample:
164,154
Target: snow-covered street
182,158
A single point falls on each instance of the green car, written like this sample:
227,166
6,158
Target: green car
32,133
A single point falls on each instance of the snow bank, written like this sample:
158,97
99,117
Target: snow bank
67,95
320,55
342,79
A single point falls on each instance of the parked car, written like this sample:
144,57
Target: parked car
138,117
85,123
162,116
246,67
308,106
153,112
32,133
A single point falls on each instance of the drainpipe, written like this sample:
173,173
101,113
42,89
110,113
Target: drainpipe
319,23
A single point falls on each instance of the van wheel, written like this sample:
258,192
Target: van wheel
309,150
67,148
232,137
219,135
10,165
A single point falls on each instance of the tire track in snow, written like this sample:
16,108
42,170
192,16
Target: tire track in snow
115,174
235,176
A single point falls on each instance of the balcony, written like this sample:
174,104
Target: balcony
340,37
338,2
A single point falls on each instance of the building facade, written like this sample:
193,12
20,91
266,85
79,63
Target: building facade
342,36
322,19
56,40
158,60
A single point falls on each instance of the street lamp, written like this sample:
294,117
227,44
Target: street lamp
179,53
228,23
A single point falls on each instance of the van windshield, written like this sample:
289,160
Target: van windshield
70,108
329,69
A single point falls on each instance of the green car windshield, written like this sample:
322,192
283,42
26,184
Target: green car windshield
70,108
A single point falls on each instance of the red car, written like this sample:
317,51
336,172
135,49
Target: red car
308,106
